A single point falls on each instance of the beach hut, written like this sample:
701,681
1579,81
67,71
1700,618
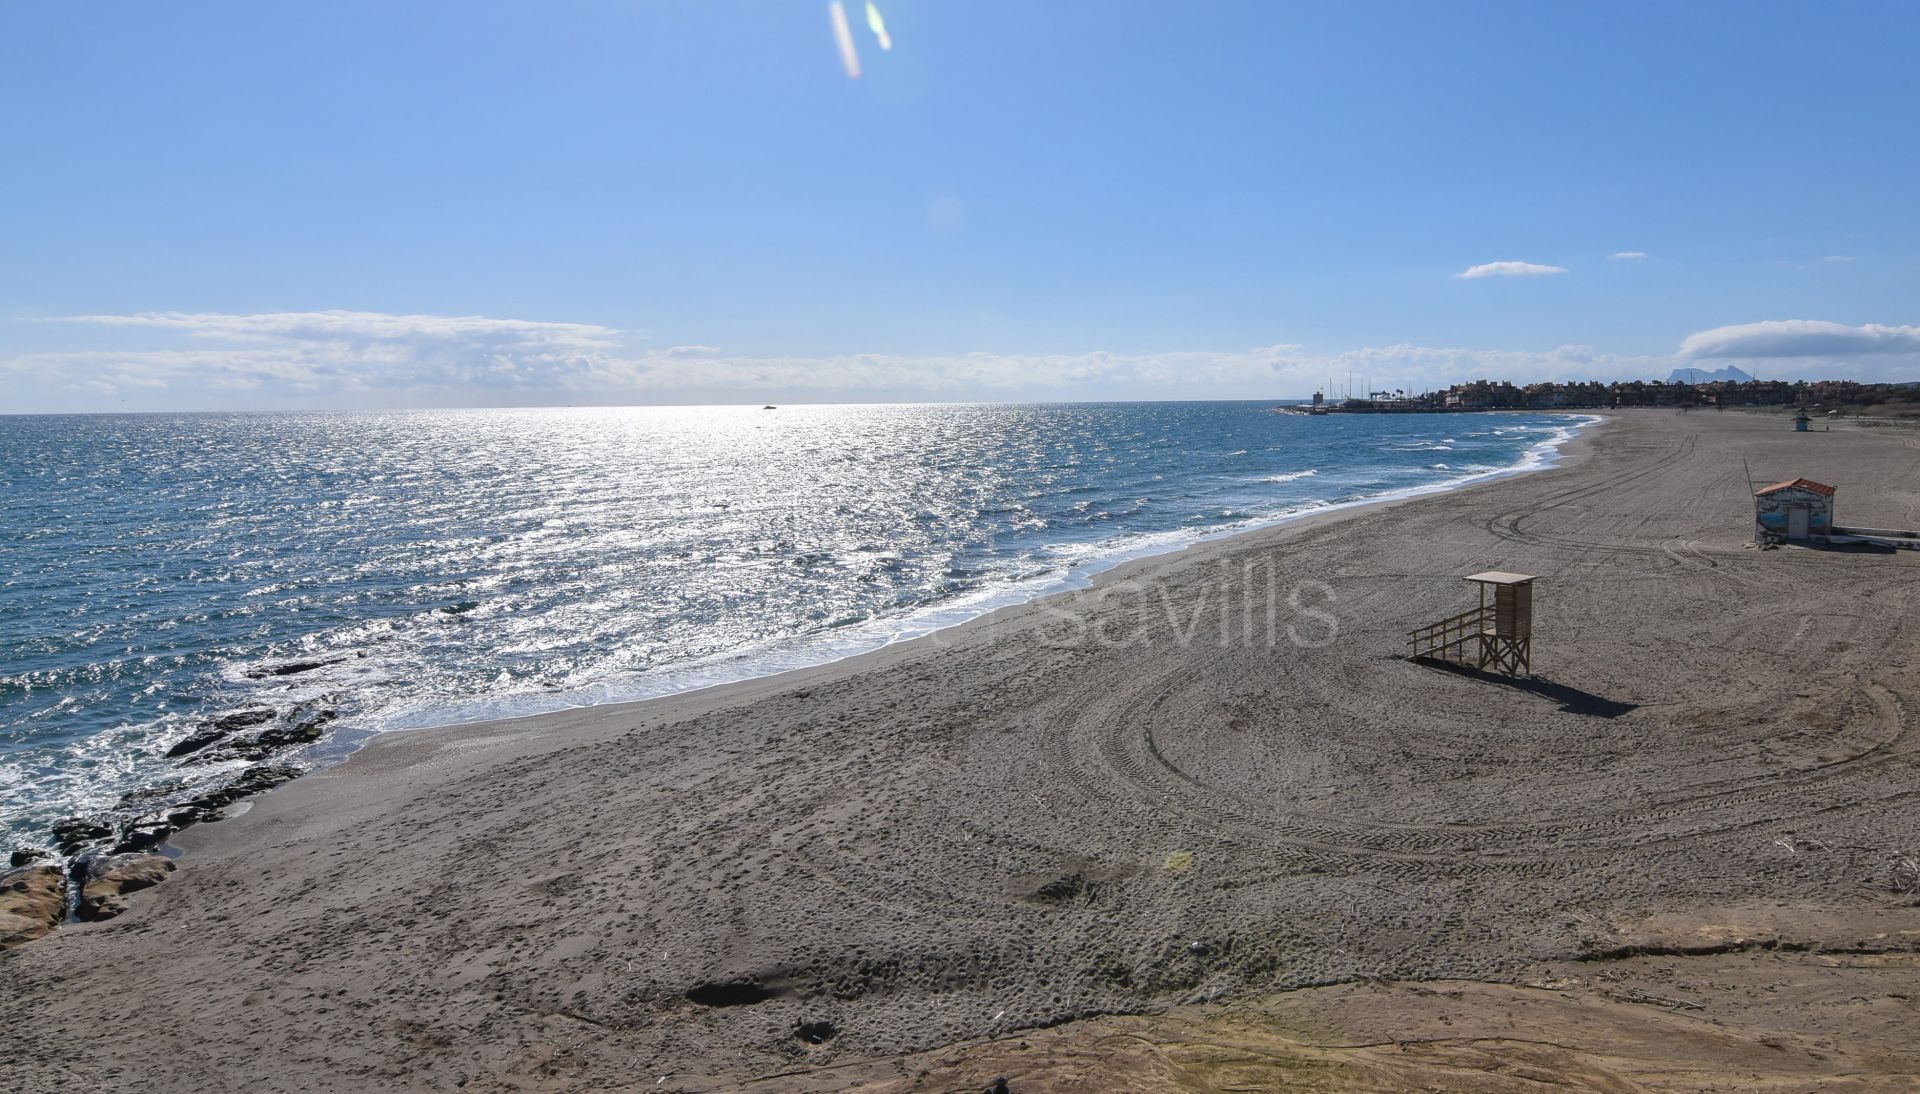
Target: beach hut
1802,421
1794,510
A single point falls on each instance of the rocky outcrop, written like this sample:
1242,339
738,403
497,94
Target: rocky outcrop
195,743
107,871
145,832
240,719
33,901
152,829
275,740
215,730
33,898
109,878
73,834
147,795
292,668
305,724
254,780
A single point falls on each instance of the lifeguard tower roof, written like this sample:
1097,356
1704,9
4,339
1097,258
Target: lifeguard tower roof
1500,577
1803,484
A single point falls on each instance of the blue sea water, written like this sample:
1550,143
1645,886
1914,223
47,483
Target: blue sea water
446,566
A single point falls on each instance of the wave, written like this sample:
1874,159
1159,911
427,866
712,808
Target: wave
446,636
811,651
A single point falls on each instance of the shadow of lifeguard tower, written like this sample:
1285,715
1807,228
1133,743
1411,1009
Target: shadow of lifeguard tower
1497,635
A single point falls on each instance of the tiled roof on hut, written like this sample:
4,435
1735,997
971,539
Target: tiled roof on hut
1804,484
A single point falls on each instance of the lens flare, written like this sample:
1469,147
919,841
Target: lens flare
843,34
878,26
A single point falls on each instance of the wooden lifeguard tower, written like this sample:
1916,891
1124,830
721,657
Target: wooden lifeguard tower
1498,634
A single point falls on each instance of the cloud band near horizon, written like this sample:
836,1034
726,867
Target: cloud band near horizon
368,359
1801,338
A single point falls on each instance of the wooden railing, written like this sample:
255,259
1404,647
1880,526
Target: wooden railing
1439,640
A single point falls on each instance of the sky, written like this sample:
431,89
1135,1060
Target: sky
215,206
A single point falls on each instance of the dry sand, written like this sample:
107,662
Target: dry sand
1127,802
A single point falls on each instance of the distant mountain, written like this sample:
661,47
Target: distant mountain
1702,376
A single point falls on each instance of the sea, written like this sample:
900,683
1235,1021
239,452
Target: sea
392,571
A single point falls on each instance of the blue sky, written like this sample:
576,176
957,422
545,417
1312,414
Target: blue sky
353,204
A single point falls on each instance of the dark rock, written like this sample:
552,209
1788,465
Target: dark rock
254,780
292,668
195,743
33,901
317,711
1199,949
77,868
304,726
241,719
184,816
152,829
266,744
145,832
213,730
74,833
304,732
109,878
27,856
134,799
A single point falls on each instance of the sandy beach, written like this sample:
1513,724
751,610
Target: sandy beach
1202,824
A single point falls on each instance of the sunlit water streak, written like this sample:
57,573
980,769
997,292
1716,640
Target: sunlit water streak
457,565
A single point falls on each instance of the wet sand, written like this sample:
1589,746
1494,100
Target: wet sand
1183,796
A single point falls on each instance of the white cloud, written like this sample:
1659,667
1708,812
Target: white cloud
1801,338
1509,269
335,353
359,327
1627,255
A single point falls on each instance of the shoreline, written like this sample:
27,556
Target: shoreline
1560,454
798,880
816,651
1544,456
388,751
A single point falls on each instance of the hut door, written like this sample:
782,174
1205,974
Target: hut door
1797,522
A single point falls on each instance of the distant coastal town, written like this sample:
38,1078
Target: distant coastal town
1847,397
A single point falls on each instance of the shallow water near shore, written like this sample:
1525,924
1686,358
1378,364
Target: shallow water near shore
403,570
